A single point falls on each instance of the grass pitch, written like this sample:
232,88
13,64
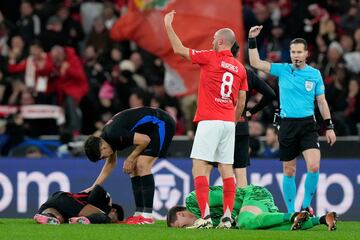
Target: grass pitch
26,229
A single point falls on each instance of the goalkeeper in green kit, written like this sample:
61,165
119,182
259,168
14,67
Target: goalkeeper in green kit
254,208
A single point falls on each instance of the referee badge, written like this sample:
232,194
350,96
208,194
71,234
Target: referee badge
309,85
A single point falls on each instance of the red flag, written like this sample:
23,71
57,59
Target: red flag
195,23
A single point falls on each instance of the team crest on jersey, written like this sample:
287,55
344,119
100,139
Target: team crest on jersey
309,85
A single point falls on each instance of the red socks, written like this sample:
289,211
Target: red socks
201,185
229,194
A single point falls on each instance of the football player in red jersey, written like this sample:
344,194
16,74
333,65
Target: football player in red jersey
221,100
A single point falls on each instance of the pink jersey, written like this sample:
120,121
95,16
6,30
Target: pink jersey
221,78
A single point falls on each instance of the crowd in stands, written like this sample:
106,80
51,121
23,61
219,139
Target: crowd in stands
60,53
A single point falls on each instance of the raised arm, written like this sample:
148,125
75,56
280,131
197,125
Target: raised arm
254,57
175,41
325,113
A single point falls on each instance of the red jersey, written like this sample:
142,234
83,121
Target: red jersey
221,78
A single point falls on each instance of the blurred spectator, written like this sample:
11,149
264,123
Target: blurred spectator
3,83
332,61
271,148
327,31
99,38
4,49
276,47
357,39
336,97
351,20
95,76
37,68
14,132
53,34
352,111
138,98
90,10
115,58
72,85
123,82
262,16
347,43
28,26
33,152
17,48
108,15
71,28
188,108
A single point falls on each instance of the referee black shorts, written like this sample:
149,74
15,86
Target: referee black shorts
241,155
297,135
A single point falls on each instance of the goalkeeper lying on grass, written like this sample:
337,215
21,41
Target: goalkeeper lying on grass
83,208
254,208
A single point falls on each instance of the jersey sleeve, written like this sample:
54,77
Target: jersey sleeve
320,87
243,81
276,69
200,57
192,204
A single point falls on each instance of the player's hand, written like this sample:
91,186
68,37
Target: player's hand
255,31
129,166
330,137
169,17
87,190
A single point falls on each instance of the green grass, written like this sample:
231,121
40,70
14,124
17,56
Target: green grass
26,229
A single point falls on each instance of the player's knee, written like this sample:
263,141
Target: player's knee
142,167
289,170
313,168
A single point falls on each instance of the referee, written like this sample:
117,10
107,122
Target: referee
299,86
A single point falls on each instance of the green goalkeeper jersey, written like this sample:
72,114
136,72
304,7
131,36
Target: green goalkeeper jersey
251,192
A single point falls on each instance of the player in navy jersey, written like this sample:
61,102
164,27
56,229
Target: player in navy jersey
84,208
150,130
300,85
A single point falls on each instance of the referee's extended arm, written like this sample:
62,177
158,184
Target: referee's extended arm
254,57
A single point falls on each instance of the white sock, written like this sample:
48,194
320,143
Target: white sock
147,215
227,213
207,210
138,214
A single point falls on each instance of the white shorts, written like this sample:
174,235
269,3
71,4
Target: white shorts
214,142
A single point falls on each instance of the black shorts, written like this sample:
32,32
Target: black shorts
66,205
241,155
297,135
160,138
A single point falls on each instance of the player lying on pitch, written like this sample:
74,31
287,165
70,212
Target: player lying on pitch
82,208
254,208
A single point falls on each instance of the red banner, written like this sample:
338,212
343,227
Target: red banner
195,22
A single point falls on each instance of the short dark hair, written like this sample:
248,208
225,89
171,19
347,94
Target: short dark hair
119,211
299,41
235,49
92,148
171,216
